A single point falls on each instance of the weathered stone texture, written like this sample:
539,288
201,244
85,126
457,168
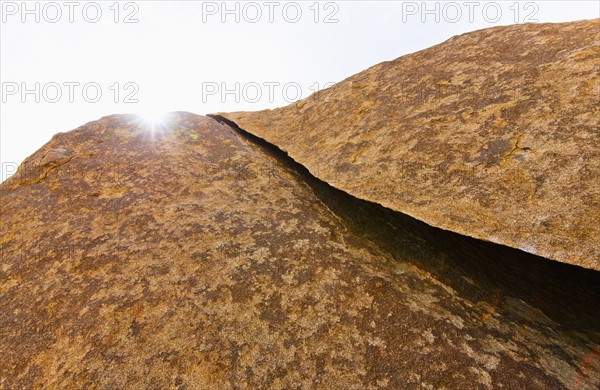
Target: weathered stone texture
493,134
192,258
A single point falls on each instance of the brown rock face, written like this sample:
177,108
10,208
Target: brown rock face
493,134
195,257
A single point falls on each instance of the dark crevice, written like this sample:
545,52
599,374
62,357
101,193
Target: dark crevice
478,270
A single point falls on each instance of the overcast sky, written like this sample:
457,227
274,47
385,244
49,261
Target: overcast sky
63,64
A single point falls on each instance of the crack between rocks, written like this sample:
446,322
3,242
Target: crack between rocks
561,291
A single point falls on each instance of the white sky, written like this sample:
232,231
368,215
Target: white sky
179,55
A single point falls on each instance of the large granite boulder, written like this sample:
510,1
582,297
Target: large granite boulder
194,256
493,134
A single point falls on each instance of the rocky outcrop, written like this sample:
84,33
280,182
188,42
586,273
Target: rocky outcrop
196,256
492,134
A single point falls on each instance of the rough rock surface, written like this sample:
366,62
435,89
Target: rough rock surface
493,134
191,257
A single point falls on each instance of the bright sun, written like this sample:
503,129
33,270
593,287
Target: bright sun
153,120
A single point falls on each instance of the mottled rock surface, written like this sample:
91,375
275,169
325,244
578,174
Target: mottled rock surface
191,257
493,134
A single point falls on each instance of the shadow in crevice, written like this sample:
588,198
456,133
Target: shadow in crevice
476,269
